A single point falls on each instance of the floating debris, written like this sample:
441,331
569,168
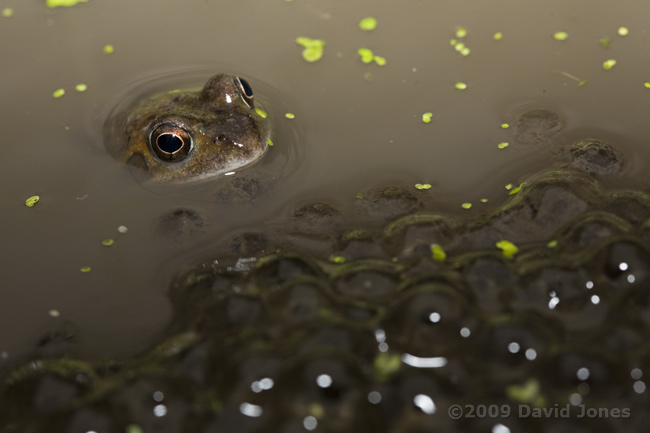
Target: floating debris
30,202
313,48
122,229
368,24
54,313
580,81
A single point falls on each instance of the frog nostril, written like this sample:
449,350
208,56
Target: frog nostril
246,89
170,142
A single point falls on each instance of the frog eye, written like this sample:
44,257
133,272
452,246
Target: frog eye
170,142
245,89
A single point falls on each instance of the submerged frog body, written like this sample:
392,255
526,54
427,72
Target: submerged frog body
188,136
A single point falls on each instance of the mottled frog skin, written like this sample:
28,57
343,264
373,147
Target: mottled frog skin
185,136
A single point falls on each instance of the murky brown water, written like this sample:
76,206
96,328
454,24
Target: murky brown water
350,132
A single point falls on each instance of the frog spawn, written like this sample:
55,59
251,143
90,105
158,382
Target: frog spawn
291,340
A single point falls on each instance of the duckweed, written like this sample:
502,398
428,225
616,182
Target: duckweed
108,242
261,113
552,244
509,249
368,24
386,364
437,253
63,3
7,12
461,32
515,190
623,31
604,42
509,186
423,186
337,259
426,117
85,269
30,202
484,200
609,64
560,36
503,145
54,313
505,125
359,196
58,93
134,428
466,205
647,84
497,36
367,56
460,86
290,116
528,393
81,87
313,48
464,52
269,142
108,49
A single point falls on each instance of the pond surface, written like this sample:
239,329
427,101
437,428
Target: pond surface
356,126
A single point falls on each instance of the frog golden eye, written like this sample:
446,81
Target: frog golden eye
170,142
246,90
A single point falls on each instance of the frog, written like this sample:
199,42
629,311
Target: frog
188,136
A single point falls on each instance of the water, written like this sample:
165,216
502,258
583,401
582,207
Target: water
349,132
